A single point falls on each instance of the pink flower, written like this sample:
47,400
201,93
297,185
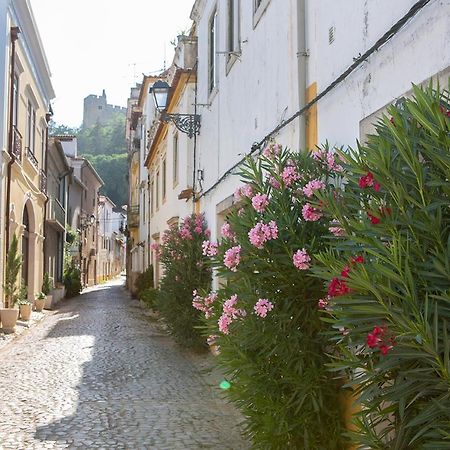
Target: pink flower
211,340
199,220
262,233
224,323
185,233
289,175
312,186
232,258
260,202
198,230
274,182
337,231
243,191
226,232
229,306
262,307
207,232
209,248
311,214
323,302
301,259
271,151
331,163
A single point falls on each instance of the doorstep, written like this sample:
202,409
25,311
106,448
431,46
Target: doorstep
22,326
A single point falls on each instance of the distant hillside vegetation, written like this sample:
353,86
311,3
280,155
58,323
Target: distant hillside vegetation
104,145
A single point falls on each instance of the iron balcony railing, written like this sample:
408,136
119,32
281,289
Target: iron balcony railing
17,144
43,182
32,158
56,213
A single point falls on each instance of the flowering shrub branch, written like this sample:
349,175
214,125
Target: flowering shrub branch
182,254
393,299
265,317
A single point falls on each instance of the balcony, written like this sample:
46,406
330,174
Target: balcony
56,214
17,144
30,155
43,182
133,216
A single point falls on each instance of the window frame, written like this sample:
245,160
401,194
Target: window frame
233,38
163,180
212,51
31,127
175,159
259,8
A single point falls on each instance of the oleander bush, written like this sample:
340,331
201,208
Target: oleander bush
149,296
388,276
72,281
185,269
264,318
144,281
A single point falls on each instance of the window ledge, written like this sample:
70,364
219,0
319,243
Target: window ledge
259,12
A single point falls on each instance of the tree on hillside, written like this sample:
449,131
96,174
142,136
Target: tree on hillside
113,170
104,139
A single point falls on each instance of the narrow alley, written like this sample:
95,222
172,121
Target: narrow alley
98,374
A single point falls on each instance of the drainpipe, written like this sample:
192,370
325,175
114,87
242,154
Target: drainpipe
302,58
14,36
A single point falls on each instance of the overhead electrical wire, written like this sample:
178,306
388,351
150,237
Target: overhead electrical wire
257,146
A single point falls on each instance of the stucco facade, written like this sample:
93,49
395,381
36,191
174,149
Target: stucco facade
23,119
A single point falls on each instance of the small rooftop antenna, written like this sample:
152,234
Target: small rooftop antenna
164,56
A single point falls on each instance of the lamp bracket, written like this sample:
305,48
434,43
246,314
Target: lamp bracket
186,123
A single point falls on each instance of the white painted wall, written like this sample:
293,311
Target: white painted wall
419,51
259,91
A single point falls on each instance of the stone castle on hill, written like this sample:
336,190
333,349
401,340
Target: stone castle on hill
96,109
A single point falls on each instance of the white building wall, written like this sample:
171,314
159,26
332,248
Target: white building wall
259,91
417,52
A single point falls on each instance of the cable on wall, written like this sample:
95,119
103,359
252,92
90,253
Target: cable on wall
257,146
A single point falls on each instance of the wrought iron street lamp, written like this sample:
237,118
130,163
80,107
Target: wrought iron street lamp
186,123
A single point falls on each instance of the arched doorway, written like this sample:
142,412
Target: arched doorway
26,246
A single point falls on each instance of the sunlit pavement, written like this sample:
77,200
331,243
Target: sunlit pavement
98,374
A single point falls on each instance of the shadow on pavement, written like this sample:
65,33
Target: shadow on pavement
128,385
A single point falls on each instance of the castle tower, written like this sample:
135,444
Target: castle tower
96,109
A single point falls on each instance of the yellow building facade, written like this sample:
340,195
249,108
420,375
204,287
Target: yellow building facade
24,194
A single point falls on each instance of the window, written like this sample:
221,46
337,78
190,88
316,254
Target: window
212,69
157,191
143,207
152,197
175,159
31,126
16,99
259,6
43,143
164,180
233,38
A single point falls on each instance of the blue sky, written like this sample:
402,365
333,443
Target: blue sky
105,44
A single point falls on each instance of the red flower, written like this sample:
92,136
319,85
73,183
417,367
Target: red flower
372,340
337,288
385,349
444,111
392,120
376,186
366,180
385,211
345,271
378,339
373,219
358,259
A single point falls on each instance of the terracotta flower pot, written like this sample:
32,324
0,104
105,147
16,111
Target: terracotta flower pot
9,318
25,311
39,304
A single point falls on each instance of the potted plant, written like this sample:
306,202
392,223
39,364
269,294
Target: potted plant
25,305
10,312
47,287
40,301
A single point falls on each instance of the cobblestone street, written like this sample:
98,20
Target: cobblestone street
99,374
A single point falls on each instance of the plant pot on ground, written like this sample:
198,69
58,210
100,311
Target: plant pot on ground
40,302
25,306
47,287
